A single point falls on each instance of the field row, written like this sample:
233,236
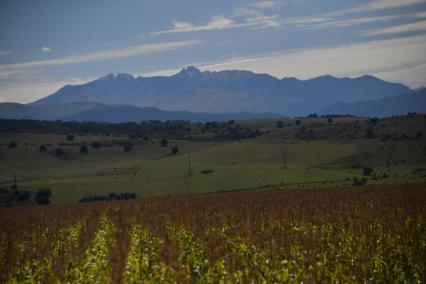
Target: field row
348,235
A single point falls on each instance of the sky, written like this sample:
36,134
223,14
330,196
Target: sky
46,44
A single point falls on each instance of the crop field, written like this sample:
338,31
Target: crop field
374,234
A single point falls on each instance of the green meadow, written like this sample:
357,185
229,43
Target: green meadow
276,159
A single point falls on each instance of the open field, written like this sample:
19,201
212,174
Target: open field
353,235
331,154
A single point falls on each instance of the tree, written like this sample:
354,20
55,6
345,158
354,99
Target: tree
95,144
298,122
70,137
84,150
330,120
42,148
175,150
419,135
127,147
280,124
42,196
366,171
59,152
13,144
370,134
164,142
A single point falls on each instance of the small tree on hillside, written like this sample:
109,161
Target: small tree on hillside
59,152
164,142
175,150
84,150
42,196
42,148
13,144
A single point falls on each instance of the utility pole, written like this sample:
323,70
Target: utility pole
15,183
189,163
284,159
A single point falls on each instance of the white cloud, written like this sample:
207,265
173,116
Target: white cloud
352,22
242,17
215,23
7,70
403,28
5,52
378,5
265,4
254,20
323,22
386,58
387,4
45,49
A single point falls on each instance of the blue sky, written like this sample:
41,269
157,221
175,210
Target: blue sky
45,44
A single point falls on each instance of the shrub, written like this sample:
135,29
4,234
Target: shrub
366,171
175,149
95,144
70,137
42,196
370,134
59,152
23,195
84,150
42,148
330,120
207,171
13,144
164,142
298,122
359,182
280,124
127,147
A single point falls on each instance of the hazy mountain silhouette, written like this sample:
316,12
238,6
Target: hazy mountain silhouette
89,111
414,101
226,92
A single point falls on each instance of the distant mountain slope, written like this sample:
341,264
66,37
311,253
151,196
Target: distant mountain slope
89,111
226,91
414,101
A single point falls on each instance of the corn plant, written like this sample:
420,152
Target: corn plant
195,262
143,263
94,268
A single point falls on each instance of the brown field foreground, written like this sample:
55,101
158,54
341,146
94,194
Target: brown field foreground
348,235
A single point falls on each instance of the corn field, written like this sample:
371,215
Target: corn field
348,235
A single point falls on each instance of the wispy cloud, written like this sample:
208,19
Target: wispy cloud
215,23
378,5
45,49
396,59
5,52
403,28
324,22
109,54
248,16
265,4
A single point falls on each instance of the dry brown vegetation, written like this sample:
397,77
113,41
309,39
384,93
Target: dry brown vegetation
373,234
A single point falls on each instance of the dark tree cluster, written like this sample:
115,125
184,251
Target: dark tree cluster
42,196
109,197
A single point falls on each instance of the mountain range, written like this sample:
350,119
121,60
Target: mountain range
414,101
197,95
226,92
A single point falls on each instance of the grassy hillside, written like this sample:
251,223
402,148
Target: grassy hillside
318,153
